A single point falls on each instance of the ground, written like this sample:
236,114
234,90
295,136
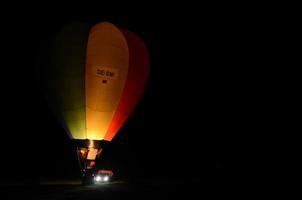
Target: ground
72,189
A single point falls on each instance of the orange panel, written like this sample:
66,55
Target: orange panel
106,71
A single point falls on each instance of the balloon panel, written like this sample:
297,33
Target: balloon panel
61,77
135,83
106,73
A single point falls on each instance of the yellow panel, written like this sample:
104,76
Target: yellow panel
75,125
106,72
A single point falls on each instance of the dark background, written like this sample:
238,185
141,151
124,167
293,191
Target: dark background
200,109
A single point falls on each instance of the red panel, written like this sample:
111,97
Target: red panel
135,83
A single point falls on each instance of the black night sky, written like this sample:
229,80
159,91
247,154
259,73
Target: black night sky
199,99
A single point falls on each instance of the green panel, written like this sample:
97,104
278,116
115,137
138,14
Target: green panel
64,78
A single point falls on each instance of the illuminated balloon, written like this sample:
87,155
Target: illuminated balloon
94,78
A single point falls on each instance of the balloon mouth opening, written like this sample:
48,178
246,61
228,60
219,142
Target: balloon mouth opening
89,143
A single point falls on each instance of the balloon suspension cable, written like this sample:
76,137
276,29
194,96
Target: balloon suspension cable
80,161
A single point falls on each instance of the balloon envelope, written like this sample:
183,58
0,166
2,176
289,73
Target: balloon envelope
95,78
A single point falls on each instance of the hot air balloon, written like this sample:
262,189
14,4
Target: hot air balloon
93,77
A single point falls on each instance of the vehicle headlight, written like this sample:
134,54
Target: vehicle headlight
106,178
98,178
